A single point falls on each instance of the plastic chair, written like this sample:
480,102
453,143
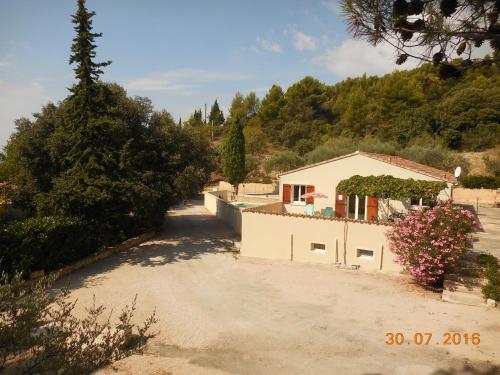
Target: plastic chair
310,210
328,212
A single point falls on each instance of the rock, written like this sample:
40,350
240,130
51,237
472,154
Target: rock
491,302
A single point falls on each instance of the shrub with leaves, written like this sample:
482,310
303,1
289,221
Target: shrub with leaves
40,335
283,161
427,243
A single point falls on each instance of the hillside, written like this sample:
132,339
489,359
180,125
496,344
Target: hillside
410,113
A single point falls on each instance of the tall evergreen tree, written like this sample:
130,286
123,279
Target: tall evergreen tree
234,155
87,71
216,116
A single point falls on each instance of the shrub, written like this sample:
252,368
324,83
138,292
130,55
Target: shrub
436,156
283,161
331,149
44,243
480,182
427,242
40,335
490,266
492,165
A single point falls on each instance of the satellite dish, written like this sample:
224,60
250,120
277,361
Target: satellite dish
458,172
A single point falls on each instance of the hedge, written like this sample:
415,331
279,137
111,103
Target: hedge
478,182
45,243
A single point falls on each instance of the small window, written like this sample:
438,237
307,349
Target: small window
318,246
365,254
416,201
298,191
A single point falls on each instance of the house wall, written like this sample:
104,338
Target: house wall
288,237
215,202
325,178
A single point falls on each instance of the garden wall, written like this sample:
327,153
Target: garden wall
250,188
216,204
485,196
269,232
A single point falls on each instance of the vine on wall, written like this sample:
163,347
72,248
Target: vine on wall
390,187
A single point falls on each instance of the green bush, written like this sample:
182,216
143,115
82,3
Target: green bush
436,156
492,165
44,243
478,182
331,149
490,266
283,161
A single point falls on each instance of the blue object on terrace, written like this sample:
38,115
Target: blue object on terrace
310,209
328,212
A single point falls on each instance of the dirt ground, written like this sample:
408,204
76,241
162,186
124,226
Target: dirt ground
223,315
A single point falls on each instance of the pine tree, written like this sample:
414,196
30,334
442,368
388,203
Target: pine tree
87,71
216,117
234,155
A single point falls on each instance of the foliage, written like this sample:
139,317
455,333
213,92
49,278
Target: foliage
387,186
234,155
283,161
433,31
101,158
436,156
252,163
427,243
492,165
489,263
399,110
431,153
255,139
44,243
331,149
39,334
480,182
87,72
216,117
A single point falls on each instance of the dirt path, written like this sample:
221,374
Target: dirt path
222,315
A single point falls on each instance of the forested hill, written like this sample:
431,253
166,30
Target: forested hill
402,107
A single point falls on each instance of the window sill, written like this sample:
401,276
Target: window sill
298,203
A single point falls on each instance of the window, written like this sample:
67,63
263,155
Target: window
416,201
318,246
356,207
298,191
365,254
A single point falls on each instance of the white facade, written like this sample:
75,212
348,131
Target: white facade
325,177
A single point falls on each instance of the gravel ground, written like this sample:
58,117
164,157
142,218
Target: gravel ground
223,315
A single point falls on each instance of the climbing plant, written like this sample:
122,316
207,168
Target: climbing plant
390,187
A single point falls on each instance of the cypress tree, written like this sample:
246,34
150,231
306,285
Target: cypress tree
87,71
234,155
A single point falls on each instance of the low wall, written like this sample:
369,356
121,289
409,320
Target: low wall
484,196
291,237
250,188
216,204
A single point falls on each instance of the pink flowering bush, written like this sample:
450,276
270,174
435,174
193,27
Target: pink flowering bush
427,242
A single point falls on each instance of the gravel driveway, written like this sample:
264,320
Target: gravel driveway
223,315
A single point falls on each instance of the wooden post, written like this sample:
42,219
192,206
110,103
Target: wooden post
291,247
381,255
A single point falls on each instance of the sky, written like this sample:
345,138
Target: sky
180,54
